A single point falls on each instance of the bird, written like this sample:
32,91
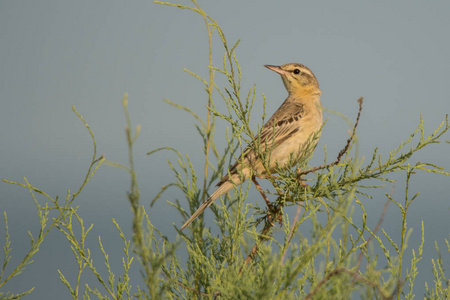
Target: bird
284,137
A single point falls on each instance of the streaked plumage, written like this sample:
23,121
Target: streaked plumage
283,136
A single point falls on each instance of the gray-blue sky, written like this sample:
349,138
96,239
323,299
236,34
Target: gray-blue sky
55,54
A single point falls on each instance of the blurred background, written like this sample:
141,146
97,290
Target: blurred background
59,54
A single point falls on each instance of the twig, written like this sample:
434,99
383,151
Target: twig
209,91
291,232
263,237
383,213
259,188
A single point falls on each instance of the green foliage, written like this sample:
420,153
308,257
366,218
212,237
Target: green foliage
245,255
441,288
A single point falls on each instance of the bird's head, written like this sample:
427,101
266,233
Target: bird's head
297,78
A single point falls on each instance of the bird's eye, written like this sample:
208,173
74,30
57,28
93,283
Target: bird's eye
296,71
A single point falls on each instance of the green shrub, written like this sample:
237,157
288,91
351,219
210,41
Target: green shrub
245,254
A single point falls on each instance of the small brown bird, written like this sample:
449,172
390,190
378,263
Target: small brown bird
284,137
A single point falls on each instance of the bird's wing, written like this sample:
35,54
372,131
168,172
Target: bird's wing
284,122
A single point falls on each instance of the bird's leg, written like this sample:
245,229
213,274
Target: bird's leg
261,191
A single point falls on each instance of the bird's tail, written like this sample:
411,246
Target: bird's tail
222,189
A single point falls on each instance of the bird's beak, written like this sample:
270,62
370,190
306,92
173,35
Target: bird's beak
277,69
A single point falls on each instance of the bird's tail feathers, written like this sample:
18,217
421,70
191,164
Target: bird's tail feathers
222,189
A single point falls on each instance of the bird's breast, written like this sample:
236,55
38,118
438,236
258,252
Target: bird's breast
301,144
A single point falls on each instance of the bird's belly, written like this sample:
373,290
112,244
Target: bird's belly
292,151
